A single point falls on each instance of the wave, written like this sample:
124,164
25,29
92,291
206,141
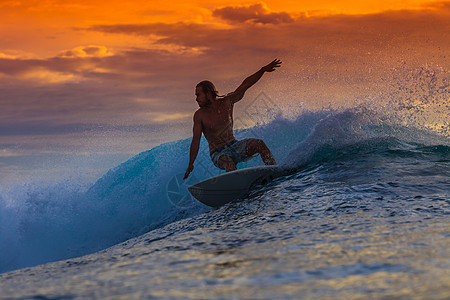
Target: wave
41,223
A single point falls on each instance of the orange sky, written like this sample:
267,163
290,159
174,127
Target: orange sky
44,28
69,69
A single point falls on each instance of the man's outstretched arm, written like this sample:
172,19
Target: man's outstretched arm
238,94
195,144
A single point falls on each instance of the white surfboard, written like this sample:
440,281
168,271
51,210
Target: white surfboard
221,189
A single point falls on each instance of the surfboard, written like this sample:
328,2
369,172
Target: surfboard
224,188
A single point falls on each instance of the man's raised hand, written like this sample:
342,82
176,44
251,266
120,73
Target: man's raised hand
276,63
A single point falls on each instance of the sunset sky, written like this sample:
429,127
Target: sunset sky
117,77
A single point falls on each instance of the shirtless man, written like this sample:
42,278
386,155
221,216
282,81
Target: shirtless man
214,119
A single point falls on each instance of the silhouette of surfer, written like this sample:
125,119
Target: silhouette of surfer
214,119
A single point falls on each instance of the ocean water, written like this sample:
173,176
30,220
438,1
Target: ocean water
364,213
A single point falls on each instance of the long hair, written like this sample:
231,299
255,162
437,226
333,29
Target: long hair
208,86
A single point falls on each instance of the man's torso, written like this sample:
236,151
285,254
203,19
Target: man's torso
217,124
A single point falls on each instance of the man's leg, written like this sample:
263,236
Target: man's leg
258,146
227,163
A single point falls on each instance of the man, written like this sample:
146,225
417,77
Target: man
214,119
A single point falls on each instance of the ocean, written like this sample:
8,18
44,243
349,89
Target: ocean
364,214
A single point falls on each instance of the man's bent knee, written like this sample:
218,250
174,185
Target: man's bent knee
226,163
255,146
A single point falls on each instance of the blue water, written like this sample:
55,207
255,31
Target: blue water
364,212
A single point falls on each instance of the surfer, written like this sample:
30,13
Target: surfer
214,119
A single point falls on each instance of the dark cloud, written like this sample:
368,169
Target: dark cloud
127,89
40,128
442,5
89,51
16,67
34,128
166,33
345,30
256,13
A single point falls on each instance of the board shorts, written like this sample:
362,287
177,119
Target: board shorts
235,149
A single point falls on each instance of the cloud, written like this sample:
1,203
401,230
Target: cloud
68,66
157,30
44,76
16,54
40,128
87,51
43,71
256,13
171,116
57,94
7,56
345,30
438,5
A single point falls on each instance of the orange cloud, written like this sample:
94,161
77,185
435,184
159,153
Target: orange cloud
8,56
88,51
256,13
44,76
340,34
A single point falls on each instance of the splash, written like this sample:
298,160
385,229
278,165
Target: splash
417,97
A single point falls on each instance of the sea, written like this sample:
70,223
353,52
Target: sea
364,213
